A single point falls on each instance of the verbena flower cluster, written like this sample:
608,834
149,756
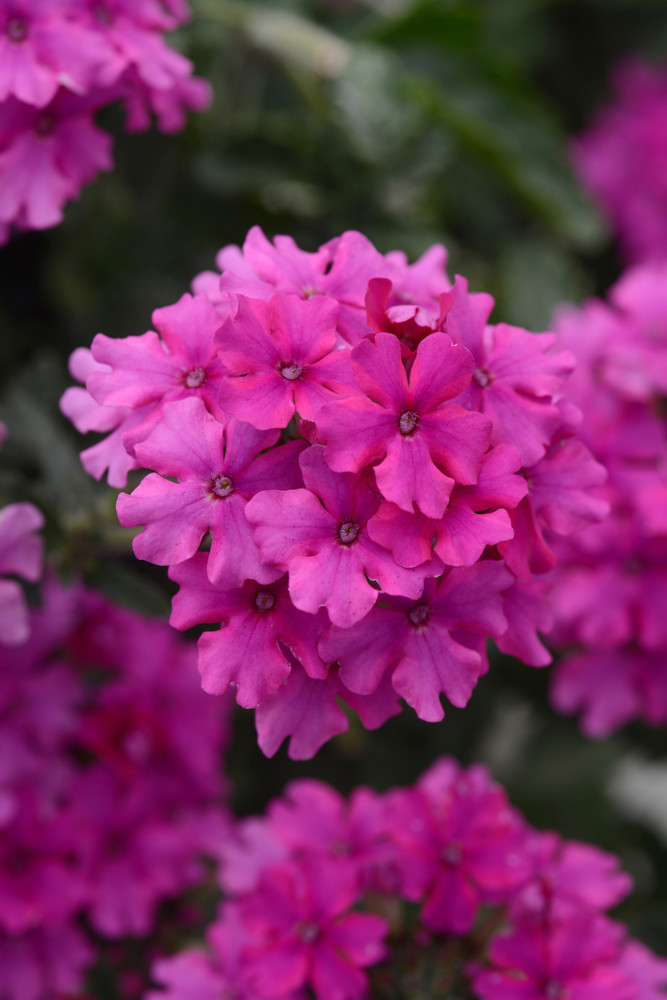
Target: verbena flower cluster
62,60
611,585
21,554
355,475
423,891
108,805
622,160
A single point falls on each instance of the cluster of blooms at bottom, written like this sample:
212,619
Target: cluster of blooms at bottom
320,898
21,554
59,63
611,584
354,475
108,806
622,160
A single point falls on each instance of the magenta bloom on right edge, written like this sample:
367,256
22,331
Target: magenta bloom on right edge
352,473
610,590
622,160
503,912
21,555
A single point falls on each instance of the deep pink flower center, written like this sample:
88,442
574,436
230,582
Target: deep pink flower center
193,379
45,122
291,371
264,600
419,615
222,485
553,990
407,422
309,291
103,15
137,745
17,30
452,854
482,377
347,532
308,931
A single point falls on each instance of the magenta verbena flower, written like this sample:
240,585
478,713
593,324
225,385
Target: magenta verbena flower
418,442
319,536
218,469
460,844
502,911
302,932
574,959
21,555
45,46
340,269
622,157
421,643
344,438
61,62
611,579
260,632
107,805
280,358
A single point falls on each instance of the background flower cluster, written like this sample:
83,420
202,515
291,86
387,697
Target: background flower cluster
318,893
60,62
108,807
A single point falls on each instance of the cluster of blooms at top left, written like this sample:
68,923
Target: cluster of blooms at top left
62,60
354,475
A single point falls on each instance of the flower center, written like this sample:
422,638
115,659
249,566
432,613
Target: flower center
17,30
291,371
195,378
45,123
553,990
481,377
308,931
419,615
222,485
137,745
452,854
407,422
347,532
103,15
264,600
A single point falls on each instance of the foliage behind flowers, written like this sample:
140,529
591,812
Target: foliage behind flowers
418,123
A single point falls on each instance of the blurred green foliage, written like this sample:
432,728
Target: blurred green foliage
414,121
